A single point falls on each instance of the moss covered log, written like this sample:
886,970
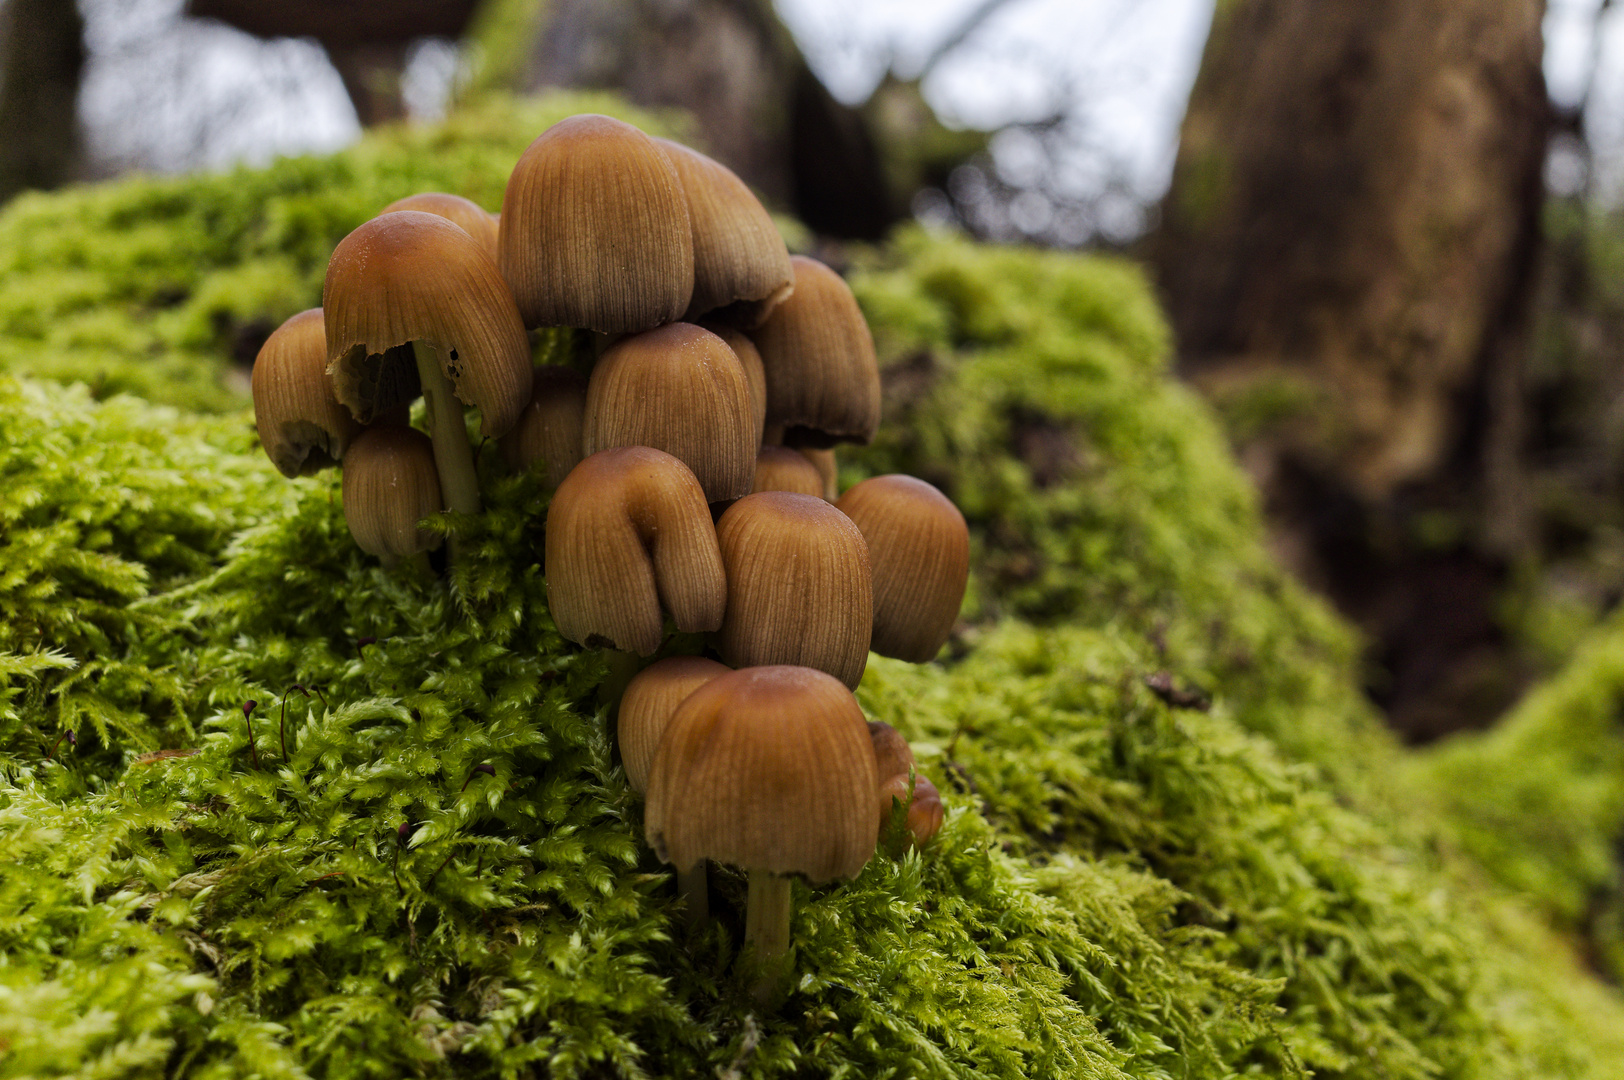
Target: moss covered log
1177,844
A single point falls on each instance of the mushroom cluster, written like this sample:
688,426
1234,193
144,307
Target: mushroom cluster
691,452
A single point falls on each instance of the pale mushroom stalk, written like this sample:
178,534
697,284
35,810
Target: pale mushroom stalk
453,457
766,931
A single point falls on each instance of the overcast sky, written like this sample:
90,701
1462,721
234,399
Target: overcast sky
1121,68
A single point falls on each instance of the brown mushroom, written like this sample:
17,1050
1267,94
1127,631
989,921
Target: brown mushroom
594,231
301,425
390,486
680,389
798,589
627,531
415,278
754,374
919,551
823,380
549,428
741,265
769,769
466,214
779,468
901,784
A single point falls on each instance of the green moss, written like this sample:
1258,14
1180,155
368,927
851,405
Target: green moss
1122,888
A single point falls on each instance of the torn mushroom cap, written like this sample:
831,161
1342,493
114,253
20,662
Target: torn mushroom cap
594,230
769,769
301,425
919,549
390,485
798,588
414,277
648,704
781,469
549,428
823,381
628,530
741,265
750,357
466,214
682,390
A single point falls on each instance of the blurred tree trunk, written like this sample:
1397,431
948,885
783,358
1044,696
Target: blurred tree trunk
41,55
1347,252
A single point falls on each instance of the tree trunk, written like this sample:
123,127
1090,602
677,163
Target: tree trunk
1347,253
41,56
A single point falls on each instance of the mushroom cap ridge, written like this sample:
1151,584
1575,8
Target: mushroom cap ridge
301,425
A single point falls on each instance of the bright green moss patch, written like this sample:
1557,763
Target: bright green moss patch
1124,886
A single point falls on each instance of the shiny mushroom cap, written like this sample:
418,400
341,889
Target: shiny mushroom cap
823,379
649,702
413,277
466,214
627,531
741,265
798,588
390,485
594,231
301,425
769,769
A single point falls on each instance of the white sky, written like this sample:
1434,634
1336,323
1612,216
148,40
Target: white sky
207,96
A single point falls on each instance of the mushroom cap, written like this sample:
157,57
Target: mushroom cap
740,261
466,214
798,589
919,551
594,230
925,812
827,468
390,484
823,380
549,428
627,531
648,704
769,768
410,276
301,425
682,390
779,468
754,373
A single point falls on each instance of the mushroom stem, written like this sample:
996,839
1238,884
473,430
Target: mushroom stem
766,931
693,886
453,457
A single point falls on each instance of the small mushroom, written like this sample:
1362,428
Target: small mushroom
919,550
682,390
549,428
900,783
741,265
301,425
823,380
390,485
798,589
415,278
466,214
779,468
594,231
769,769
627,531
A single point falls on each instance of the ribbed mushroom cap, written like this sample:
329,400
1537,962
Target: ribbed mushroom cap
682,390
301,425
768,769
740,262
754,373
798,588
549,428
389,486
466,214
823,381
919,550
779,468
627,531
410,276
649,702
594,230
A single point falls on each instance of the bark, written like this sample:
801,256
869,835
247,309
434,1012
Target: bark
1347,253
41,56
